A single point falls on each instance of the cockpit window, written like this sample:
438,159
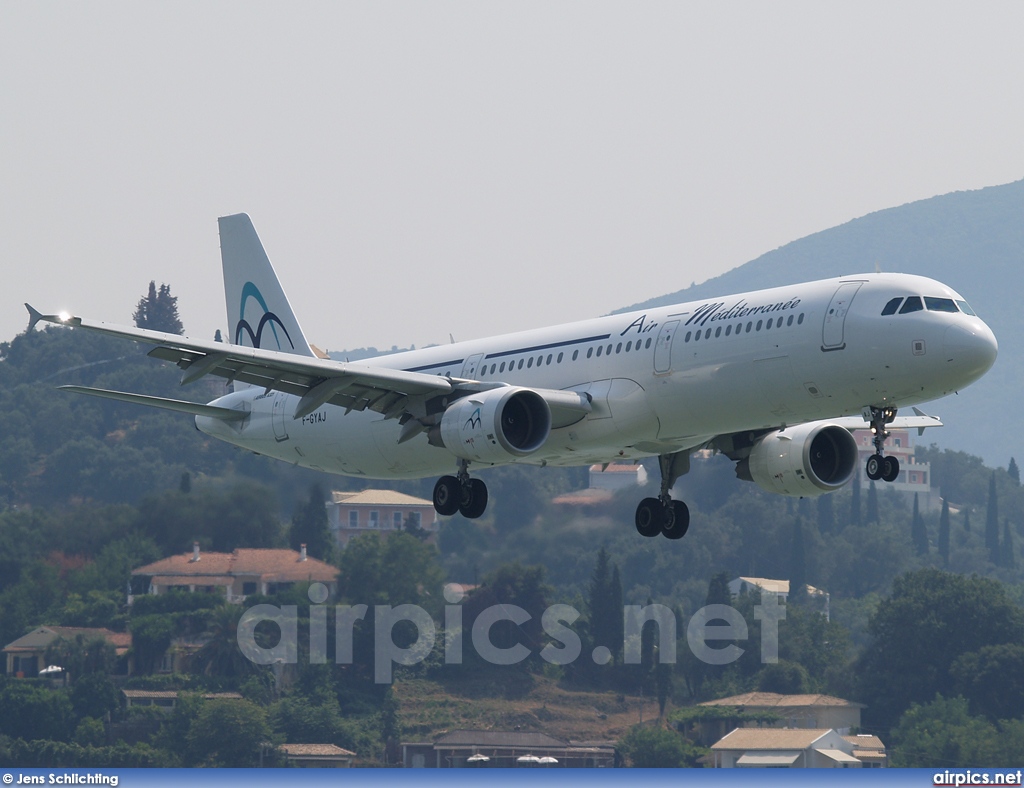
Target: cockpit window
940,304
892,306
966,308
913,305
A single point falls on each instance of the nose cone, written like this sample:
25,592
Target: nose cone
971,351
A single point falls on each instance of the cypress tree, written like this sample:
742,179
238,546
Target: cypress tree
718,590
992,520
603,614
855,502
872,513
617,626
918,532
1009,560
158,310
798,564
944,533
826,514
967,519
1014,471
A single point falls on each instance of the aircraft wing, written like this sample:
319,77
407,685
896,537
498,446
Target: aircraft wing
317,381
919,421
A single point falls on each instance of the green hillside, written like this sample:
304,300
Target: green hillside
972,241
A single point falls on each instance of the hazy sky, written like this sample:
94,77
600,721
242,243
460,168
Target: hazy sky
420,169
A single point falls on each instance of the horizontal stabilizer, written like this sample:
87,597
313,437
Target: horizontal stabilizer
181,406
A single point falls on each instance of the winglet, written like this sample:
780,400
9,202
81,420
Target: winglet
34,316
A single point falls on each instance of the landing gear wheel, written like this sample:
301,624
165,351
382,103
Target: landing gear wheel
649,515
874,467
677,520
447,496
890,469
473,500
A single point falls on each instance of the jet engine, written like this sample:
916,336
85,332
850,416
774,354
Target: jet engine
496,426
806,460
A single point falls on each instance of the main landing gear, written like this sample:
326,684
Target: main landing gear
662,515
879,466
461,494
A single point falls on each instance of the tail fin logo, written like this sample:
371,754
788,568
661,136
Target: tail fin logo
268,318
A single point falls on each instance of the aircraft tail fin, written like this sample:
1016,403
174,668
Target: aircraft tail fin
259,314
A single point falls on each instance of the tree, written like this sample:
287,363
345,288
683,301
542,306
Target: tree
657,748
943,733
992,680
604,606
918,531
918,632
784,677
1008,558
1013,471
992,520
944,533
798,563
855,502
826,515
158,311
310,526
872,515
228,733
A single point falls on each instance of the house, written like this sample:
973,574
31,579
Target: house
167,699
26,656
350,514
237,574
813,748
324,756
869,750
505,749
780,588
604,482
813,711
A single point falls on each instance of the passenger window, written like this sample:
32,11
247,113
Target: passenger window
647,344
629,345
707,334
529,363
618,348
590,352
559,359
718,332
939,304
609,350
575,355
749,326
502,367
892,306
800,320
768,324
759,323
728,329
520,364
599,349
789,321
696,337
913,305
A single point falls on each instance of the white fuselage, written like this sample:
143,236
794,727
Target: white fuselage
662,380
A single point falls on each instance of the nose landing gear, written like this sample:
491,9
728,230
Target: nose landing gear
879,466
662,515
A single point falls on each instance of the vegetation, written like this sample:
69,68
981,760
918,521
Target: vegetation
926,621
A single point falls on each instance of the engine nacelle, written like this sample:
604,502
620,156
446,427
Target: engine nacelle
806,460
496,426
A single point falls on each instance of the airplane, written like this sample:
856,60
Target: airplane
776,380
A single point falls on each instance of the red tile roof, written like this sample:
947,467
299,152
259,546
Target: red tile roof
271,565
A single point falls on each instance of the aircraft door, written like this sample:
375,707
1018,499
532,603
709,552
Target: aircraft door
278,417
835,316
469,369
663,348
